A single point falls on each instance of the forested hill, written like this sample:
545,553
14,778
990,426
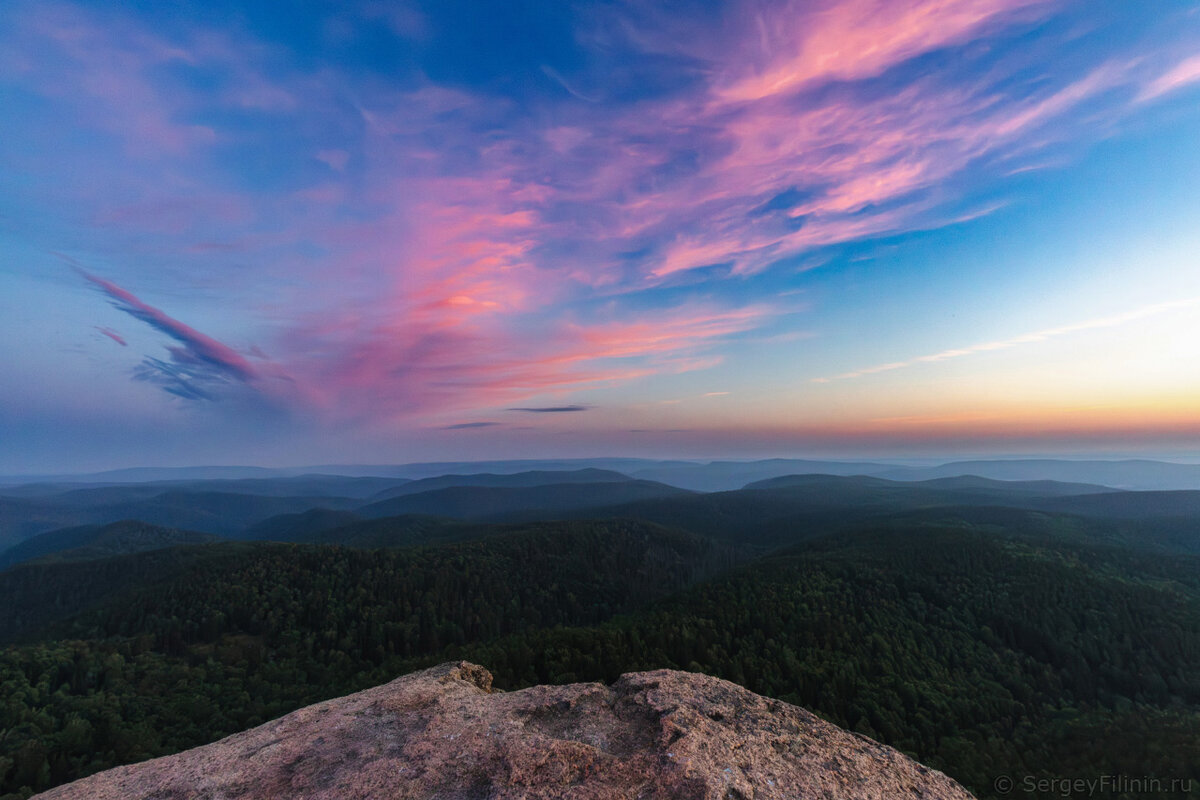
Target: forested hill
498,502
231,510
981,651
972,485
769,514
791,509
100,541
516,480
982,641
511,578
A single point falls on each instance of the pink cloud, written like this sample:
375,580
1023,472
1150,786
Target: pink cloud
852,39
461,269
422,364
111,334
1185,73
859,165
103,65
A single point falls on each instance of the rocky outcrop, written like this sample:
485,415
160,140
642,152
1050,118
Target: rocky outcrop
444,733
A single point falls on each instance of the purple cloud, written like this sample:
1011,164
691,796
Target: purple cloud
196,368
422,248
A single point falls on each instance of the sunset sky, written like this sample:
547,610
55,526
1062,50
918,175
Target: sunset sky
287,233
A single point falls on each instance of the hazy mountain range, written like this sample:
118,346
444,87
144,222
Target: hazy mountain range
45,518
696,475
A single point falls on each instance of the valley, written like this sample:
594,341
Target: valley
983,627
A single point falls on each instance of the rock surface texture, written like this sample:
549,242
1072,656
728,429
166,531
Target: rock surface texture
444,733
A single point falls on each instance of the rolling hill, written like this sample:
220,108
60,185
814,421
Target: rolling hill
495,502
1131,505
722,476
517,480
222,513
1134,474
100,541
305,526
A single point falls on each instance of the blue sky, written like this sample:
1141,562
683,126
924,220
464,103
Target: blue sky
243,233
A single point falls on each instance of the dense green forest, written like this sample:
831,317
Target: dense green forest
984,642
981,655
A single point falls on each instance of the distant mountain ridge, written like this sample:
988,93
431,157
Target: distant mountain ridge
700,475
973,484
1130,505
718,476
516,480
410,471
310,484
222,513
490,502
101,541
1134,474
300,527
767,511
296,502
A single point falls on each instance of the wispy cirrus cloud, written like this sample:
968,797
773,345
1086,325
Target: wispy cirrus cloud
552,409
1045,334
471,361
1185,73
415,245
802,43
798,168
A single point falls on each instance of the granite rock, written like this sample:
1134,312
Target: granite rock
445,733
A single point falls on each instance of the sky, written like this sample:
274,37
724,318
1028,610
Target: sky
380,232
